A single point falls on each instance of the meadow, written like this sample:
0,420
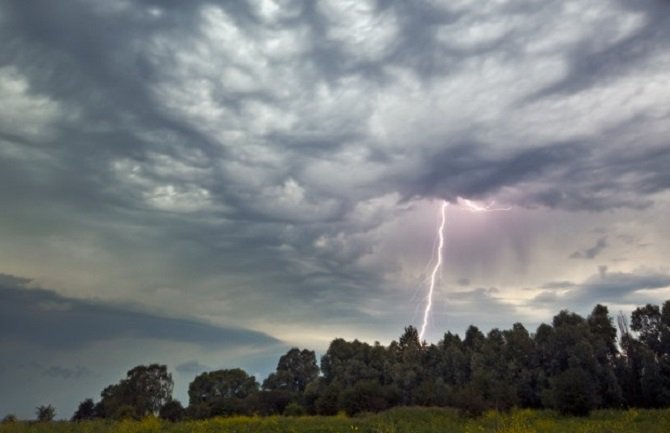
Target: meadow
397,420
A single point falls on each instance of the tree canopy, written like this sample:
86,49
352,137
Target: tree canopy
573,364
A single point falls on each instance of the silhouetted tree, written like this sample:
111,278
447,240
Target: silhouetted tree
85,411
45,413
574,365
172,411
224,392
294,371
143,392
9,419
572,392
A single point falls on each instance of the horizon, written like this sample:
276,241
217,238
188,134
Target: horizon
181,382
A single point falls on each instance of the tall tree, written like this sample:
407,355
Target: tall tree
85,411
646,321
45,413
143,392
151,386
222,392
407,370
294,371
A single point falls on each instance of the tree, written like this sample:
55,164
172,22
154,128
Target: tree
271,401
572,392
407,370
45,413
151,386
328,401
365,396
665,329
9,419
346,363
85,411
522,365
144,390
653,327
647,322
223,391
112,399
603,330
172,411
294,371
473,338
453,366
491,375
603,341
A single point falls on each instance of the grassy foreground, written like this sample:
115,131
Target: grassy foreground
399,420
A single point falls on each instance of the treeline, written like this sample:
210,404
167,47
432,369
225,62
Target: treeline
573,365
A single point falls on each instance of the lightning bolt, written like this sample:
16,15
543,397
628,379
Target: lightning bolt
436,268
478,207
471,206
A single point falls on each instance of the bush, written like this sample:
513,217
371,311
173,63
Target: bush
469,402
295,409
125,411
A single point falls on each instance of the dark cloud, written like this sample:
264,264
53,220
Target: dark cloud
191,367
559,285
66,373
614,286
43,318
236,140
604,287
546,297
592,252
12,281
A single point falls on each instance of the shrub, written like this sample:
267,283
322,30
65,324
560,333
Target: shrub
295,409
469,402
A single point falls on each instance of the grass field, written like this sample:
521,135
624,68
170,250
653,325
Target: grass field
399,420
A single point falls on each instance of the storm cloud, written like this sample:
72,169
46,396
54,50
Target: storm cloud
590,253
43,318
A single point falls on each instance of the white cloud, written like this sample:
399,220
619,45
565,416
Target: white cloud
23,112
166,183
366,33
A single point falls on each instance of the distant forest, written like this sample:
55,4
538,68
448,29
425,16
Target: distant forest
573,365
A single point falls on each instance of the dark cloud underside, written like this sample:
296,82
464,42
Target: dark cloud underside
45,319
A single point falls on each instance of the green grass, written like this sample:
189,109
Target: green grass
398,420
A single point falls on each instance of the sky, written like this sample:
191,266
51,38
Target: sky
206,184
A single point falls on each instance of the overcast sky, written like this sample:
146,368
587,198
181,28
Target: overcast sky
205,184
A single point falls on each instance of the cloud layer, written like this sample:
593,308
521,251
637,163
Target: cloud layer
43,318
